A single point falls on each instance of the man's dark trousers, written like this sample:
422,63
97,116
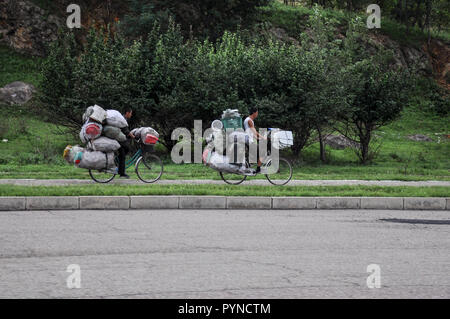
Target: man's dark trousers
123,151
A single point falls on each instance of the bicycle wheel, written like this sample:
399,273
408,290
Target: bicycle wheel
149,168
233,179
282,175
102,177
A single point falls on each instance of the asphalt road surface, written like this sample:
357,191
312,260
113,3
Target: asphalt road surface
224,254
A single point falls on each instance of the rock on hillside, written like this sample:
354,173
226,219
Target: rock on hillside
16,93
26,28
340,142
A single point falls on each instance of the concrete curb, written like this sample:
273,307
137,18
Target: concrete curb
52,203
220,202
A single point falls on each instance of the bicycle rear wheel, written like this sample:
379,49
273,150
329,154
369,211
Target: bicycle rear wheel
280,176
232,179
149,168
102,177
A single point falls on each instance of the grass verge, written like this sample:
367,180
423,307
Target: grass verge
18,67
225,190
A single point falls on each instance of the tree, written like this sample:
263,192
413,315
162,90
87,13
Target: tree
102,72
203,18
377,92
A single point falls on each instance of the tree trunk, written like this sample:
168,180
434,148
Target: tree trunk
323,156
428,18
364,138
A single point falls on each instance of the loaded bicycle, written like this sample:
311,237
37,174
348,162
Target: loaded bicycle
278,176
235,173
148,166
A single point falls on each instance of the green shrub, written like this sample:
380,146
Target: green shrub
171,82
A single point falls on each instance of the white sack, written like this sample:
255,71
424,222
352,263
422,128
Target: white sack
104,144
116,119
97,160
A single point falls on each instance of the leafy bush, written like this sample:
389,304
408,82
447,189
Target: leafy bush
170,82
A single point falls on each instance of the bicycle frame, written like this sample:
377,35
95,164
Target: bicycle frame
134,159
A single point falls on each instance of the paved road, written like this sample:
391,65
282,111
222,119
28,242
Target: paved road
233,254
64,182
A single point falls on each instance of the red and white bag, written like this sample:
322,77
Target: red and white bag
150,139
90,131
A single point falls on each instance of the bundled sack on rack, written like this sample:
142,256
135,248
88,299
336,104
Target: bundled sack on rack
148,130
231,120
103,144
282,139
90,131
149,139
70,152
116,119
114,133
95,113
88,113
95,160
137,131
229,113
145,133
221,163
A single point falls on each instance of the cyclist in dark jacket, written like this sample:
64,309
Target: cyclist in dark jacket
125,146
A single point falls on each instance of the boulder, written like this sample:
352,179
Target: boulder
339,142
404,56
27,28
419,138
16,93
281,35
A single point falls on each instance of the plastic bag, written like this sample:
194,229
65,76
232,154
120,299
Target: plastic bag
144,131
114,133
137,131
88,113
229,113
95,160
220,163
282,139
116,119
150,140
98,114
104,144
70,153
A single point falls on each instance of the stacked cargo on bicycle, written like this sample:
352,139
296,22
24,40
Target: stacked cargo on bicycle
147,137
228,146
101,134
223,144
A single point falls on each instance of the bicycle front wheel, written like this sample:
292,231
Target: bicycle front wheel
280,176
149,168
